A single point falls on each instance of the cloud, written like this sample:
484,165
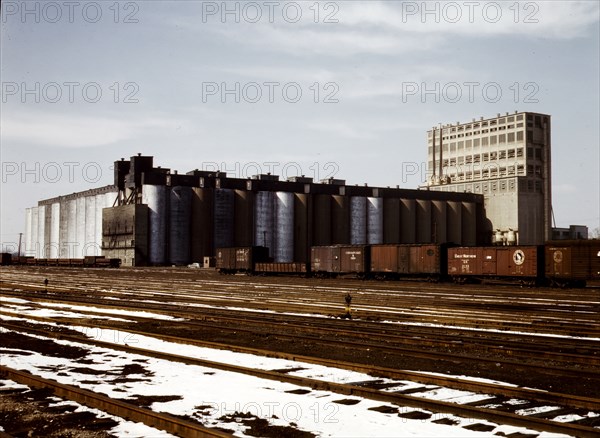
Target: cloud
388,28
77,131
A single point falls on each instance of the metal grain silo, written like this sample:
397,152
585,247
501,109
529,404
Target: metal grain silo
63,231
71,243
89,248
244,217
408,221
156,197
358,220
264,206
374,221
47,231
423,221
391,220
41,246
438,221
301,223
202,224
98,206
322,220
223,218
35,214
340,220
454,216
284,227
28,231
469,223
55,231
180,216
79,252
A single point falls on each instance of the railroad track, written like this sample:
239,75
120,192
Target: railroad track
115,407
435,314
283,327
366,390
336,341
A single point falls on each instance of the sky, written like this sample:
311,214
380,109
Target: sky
344,89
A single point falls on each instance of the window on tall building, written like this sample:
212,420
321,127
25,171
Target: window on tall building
511,185
461,144
511,137
538,122
468,159
502,121
445,147
476,142
502,186
529,136
452,147
520,169
467,144
530,117
519,125
538,186
538,153
502,138
510,153
530,169
485,156
519,116
476,158
520,136
461,160
484,141
530,152
511,170
494,186
493,140
502,155
511,119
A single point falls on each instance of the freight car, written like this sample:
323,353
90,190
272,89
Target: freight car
572,263
401,261
331,261
567,263
522,263
87,262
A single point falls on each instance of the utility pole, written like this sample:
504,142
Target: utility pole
19,251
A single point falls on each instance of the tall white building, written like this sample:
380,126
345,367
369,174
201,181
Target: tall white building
506,158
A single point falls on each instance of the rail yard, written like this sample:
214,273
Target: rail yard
190,352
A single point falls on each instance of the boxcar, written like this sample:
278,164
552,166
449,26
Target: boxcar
340,259
408,260
523,263
6,259
280,268
572,263
240,259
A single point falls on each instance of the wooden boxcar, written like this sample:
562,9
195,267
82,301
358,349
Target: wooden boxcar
524,263
340,259
280,268
408,260
572,263
240,259
6,259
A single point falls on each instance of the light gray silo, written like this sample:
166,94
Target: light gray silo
90,248
374,221
358,220
284,227
28,231
264,213
55,231
41,246
80,227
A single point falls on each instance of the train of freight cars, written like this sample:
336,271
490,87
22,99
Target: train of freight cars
566,263
86,262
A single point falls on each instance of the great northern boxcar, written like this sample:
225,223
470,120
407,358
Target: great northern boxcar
522,263
572,263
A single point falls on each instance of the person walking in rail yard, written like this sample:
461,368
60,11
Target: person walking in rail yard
348,299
